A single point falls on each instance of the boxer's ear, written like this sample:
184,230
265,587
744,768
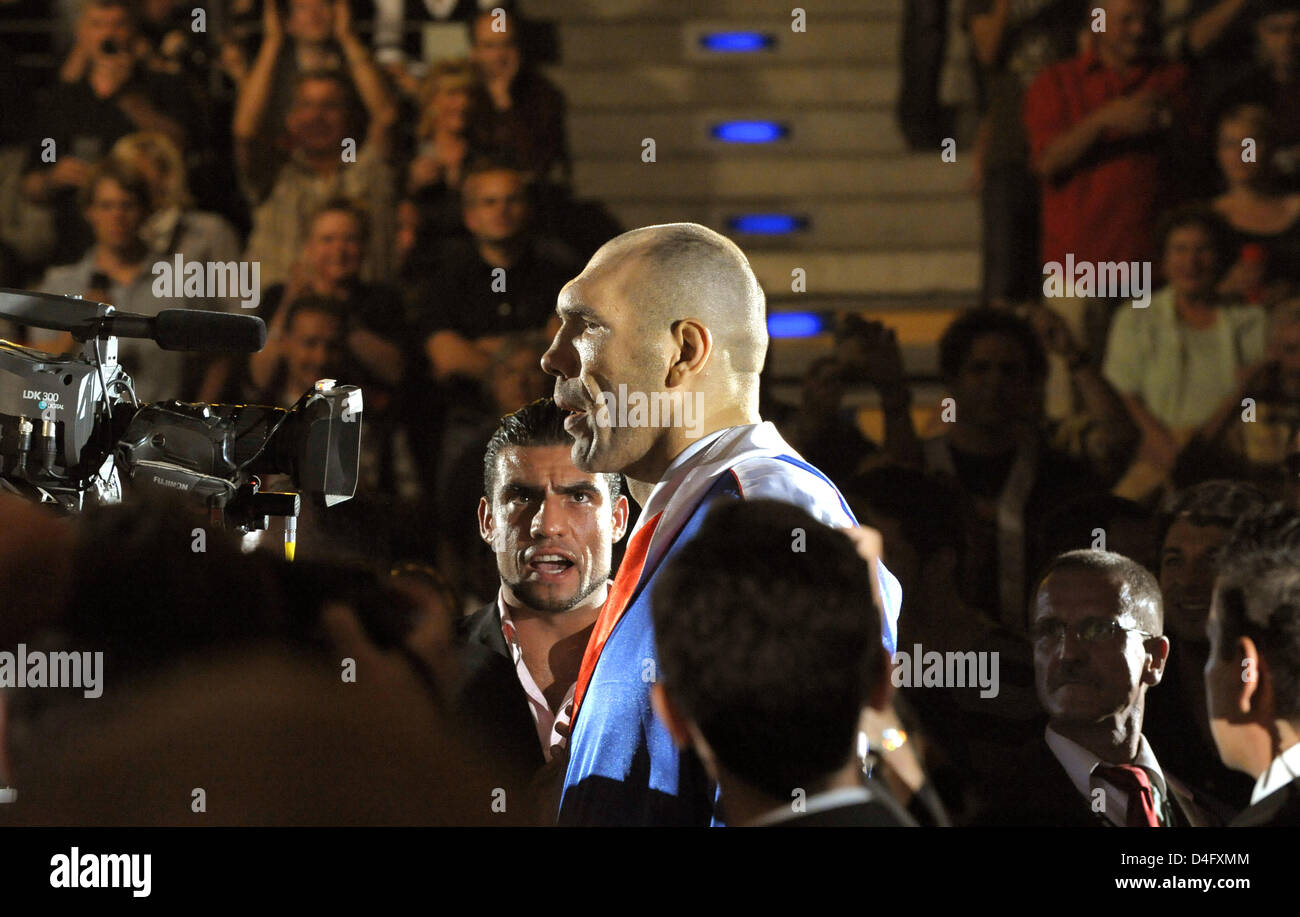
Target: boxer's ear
694,345
621,511
485,522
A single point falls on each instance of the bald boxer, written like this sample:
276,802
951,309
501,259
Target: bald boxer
657,359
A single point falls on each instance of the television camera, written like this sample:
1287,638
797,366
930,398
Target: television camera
72,432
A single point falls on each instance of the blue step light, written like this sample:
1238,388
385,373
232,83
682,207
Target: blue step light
737,42
767,224
749,131
795,324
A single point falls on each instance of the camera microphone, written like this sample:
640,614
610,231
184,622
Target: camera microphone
183,329
220,332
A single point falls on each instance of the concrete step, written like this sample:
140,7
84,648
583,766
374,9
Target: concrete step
918,322
907,271
891,308
703,177
739,10
870,222
689,130
846,39
646,85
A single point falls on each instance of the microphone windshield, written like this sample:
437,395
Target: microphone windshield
213,332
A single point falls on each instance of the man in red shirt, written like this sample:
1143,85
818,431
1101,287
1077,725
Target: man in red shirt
1101,130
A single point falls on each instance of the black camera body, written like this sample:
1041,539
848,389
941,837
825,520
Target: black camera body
44,388
71,429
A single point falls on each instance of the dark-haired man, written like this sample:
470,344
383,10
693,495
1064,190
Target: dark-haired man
1196,523
552,528
1097,629
527,112
994,445
766,663
1252,679
500,281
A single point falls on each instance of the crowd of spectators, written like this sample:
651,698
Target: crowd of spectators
1071,505
411,222
1129,136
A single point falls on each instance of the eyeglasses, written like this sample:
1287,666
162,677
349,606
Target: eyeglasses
1089,630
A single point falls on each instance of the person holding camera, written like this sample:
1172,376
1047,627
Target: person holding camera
104,92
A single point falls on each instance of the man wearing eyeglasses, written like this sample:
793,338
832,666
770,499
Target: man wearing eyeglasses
1097,629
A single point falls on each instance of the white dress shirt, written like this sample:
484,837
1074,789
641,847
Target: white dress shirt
1281,770
1080,764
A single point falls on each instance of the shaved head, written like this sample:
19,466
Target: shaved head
670,310
685,270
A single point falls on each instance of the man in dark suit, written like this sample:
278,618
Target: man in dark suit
552,529
1097,628
1195,524
767,655
1252,680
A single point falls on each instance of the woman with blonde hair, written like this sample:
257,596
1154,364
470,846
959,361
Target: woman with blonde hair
174,226
449,98
446,141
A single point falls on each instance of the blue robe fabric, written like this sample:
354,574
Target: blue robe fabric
623,766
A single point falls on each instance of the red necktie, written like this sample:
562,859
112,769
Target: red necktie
629,574
1133,780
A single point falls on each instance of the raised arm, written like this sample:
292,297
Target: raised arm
369,80
255,91
987,31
